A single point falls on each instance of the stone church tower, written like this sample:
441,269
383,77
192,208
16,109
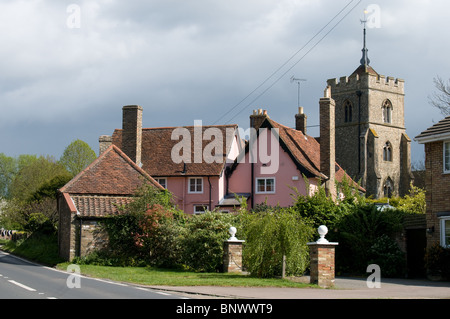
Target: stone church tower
371,141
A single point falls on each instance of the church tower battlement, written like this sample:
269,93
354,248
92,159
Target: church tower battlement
371,141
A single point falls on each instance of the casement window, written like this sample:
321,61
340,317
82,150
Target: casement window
195,185
447,157
200,209
265,185
162,181
445,231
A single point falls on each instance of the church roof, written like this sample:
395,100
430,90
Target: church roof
364,69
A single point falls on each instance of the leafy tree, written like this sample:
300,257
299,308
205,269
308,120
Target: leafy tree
77,156
32,174
8,169
273,234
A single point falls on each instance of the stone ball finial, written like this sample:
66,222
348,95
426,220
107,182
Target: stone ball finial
322,230
232,232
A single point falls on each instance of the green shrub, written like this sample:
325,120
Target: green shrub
437,261
386,253
358,231
204,239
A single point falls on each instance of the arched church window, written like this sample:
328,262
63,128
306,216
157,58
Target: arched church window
387,152
388,188
387,111
348,110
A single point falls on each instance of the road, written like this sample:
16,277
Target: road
20,279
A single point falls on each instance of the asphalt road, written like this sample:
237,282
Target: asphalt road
20,279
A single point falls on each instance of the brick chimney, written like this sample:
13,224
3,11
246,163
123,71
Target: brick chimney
132,132
327,141
300,120
257,118
104,142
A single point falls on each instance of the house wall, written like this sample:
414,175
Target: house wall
92,236
437,185
287,176
179,187
64,229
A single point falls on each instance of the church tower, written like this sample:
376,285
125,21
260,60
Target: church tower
371,141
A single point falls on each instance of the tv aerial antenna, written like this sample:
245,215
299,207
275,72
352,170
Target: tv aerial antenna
294,79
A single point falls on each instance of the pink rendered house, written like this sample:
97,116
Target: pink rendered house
189,161
287,161
205,167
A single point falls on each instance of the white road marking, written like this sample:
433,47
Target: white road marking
161,293
21,285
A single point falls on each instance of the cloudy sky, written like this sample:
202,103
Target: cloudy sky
68,67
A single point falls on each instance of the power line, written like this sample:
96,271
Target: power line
285,63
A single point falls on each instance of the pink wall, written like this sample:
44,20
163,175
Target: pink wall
284,172
179,187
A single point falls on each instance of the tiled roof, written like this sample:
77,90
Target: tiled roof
107,183
440,129
304,151
157,145
112,173
99,206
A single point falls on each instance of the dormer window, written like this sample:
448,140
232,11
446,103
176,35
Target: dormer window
387,111
348,109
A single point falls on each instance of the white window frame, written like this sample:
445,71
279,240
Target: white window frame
196,191
446,159
265,185
159,179
200,211
442,222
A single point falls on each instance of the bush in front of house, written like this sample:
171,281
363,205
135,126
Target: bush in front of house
437,262
271,234
204,239
366,236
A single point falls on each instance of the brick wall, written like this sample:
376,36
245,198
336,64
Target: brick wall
437,185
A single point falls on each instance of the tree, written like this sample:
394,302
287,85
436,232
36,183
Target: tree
32,175
8,169
275,235
77,156
441,99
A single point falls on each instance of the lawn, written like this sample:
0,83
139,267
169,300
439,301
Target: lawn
168,277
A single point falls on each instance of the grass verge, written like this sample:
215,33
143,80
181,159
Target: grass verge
169,277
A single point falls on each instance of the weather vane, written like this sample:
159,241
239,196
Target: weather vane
298,82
